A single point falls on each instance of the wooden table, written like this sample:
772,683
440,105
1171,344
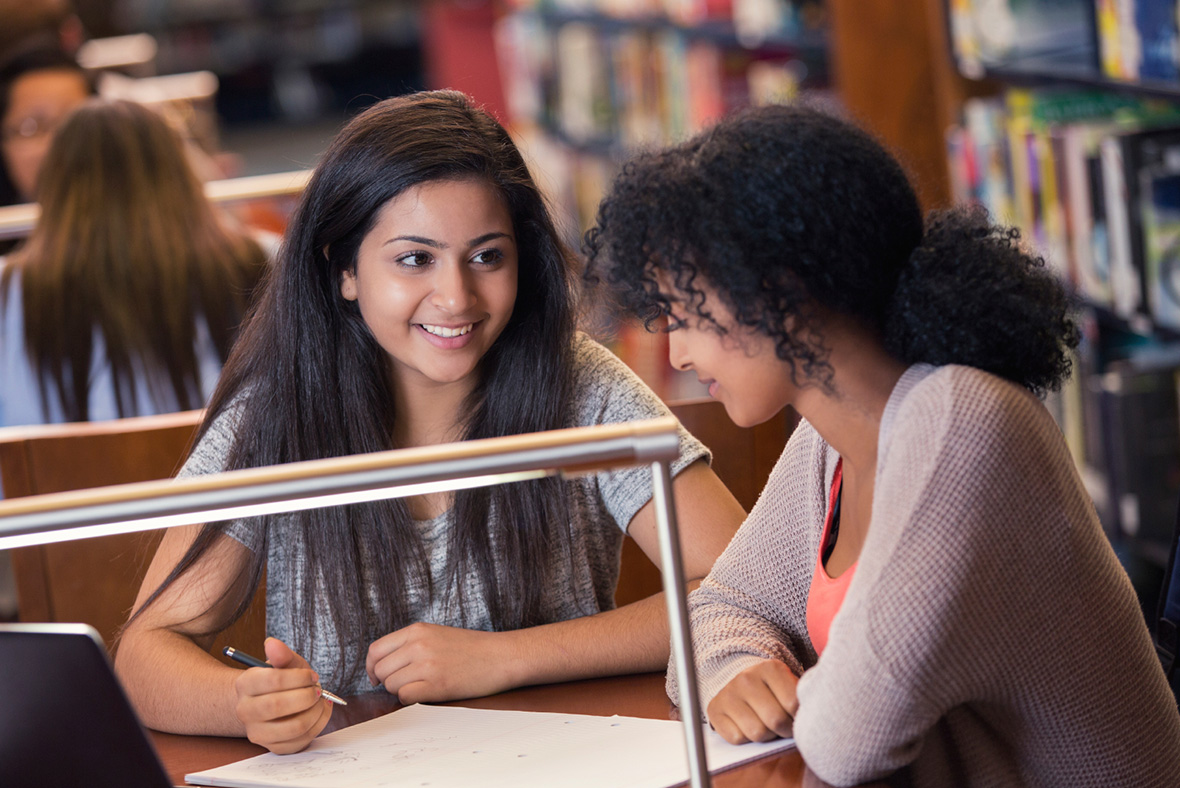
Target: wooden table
634,696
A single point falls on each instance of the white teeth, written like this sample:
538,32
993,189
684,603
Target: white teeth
443,331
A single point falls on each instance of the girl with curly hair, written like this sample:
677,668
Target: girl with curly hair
422,295
924,583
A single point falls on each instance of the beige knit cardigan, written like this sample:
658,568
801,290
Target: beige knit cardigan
989,636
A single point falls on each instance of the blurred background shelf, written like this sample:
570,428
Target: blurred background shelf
1073,136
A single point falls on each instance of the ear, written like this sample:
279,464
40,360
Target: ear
348,285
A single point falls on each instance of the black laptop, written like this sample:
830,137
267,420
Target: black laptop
64,720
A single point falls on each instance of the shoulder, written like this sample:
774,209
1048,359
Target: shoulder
12,323
220,431
606,390
592,360
958,402
965,441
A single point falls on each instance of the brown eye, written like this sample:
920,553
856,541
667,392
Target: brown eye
488,257
414,260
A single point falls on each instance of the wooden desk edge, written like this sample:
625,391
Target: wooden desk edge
636,696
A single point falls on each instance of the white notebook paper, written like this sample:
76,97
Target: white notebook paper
451,747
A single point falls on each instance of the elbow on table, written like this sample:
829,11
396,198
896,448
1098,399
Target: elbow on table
841,756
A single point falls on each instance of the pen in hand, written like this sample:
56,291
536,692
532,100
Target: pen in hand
255,662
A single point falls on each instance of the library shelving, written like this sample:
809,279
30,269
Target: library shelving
587,84
887,65
1080,149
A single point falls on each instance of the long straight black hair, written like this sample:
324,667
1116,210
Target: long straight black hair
312,382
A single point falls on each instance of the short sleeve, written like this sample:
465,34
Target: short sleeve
608,392
210,456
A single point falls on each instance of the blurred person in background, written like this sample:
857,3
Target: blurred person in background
127,295
39,86
125,299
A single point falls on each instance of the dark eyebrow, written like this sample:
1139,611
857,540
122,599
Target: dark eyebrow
418,239
483,239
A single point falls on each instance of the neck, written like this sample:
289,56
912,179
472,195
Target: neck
848,414
429,413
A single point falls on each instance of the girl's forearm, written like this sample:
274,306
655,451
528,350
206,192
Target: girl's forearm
631,639
177,686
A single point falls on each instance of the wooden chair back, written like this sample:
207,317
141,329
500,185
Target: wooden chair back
95,581
742,459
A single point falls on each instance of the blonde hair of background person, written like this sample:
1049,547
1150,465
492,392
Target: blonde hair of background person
130,289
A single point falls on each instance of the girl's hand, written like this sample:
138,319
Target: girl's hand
759,704
281,707
430,662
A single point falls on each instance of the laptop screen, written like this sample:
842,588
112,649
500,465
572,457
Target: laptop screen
64,719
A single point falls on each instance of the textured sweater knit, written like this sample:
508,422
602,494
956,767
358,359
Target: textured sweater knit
989,637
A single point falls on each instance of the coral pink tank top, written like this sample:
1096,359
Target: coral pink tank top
827,593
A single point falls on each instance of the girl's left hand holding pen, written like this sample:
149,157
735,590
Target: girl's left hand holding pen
283,710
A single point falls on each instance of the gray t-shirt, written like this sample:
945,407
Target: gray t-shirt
601,507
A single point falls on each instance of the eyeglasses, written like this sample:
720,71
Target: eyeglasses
29,128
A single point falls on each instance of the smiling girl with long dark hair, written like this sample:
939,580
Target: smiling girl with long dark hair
422,295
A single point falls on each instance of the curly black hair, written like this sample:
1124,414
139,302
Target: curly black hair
784,209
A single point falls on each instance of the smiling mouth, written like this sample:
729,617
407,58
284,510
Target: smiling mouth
443,331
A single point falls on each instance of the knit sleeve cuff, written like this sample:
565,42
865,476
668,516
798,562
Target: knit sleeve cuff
710,681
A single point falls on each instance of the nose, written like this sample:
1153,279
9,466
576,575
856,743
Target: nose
454,290
678,351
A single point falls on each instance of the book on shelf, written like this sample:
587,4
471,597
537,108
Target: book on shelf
1126,288
1138,41
1089,179
1158,174
1031,36
1086,210
1141,429
1132,41
1118,39
525,59
1159,50
1143,171
584,109
988,170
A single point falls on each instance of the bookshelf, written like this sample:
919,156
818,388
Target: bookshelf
1080,148
587,83
1111,44
886,63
